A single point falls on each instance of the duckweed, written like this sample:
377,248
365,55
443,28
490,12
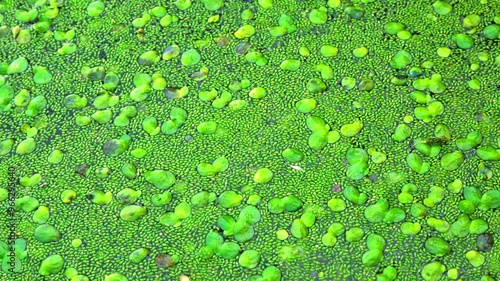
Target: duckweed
292,155
350,130
258,93
437,246
433,271
337,205
95,8
263,175
290,65
160,178
329,50
299,229
452,161
207,128
354,234
229,199
190,57
132,213
249,259
51,265
224,140
318,16
245,31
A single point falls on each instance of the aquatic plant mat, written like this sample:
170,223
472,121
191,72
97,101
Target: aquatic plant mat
259,140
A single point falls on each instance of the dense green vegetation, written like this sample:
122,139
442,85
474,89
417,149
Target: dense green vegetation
255,140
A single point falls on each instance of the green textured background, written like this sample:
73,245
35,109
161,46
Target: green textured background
251,138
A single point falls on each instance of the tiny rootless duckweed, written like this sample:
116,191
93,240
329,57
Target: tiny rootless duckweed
250,140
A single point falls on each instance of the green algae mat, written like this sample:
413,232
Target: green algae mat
257,140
